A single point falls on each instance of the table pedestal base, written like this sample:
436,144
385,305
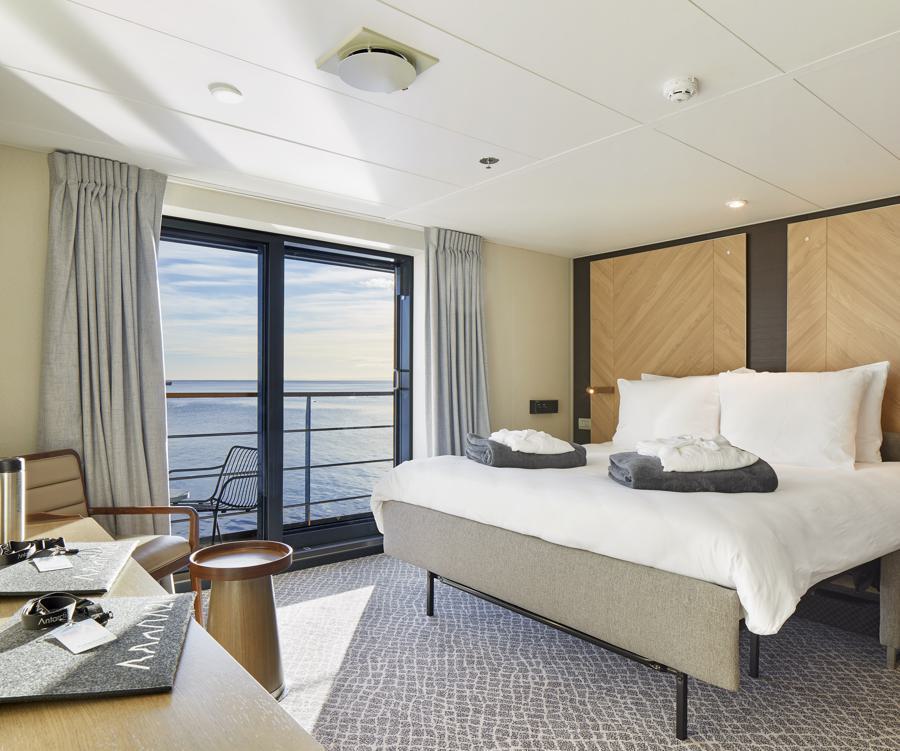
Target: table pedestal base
242,619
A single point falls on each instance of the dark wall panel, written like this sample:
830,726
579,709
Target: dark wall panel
767,296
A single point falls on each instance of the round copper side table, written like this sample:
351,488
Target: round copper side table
242,604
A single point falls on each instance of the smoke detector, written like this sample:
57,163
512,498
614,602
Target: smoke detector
680,89
370,61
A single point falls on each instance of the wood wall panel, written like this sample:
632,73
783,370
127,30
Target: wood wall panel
863,321
674,311
844,296
807,294
730,302
603,406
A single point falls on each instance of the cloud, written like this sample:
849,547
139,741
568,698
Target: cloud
338,320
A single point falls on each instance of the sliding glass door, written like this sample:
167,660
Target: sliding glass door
299,357
339,333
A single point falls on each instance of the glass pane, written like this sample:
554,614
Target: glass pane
209,310
338,372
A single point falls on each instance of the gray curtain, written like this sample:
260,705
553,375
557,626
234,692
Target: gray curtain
103,384
456,375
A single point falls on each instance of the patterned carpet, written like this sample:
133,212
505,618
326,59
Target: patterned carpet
367,670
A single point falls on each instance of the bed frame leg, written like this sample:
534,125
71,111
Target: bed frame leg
429,594
891,657
754,655
681,706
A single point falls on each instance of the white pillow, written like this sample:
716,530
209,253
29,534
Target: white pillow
868,429
666,408
655,377
794,418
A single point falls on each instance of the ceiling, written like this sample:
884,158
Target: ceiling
796,111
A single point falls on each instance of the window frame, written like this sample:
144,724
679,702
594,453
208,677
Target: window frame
272,249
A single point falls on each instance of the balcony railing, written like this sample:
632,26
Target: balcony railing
196,473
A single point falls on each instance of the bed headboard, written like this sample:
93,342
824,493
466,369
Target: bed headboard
844,297
676,311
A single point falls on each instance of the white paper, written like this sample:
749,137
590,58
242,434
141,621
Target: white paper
82,636
51,563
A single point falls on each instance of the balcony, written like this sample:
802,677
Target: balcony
330,462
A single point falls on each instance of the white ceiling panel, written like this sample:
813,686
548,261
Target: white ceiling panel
275,104
40,139
784,134
863,87
618,53
149,129
637,188
470,91
558,91
792,33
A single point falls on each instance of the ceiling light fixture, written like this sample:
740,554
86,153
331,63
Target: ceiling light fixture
225,92
736,203
377,69
488,161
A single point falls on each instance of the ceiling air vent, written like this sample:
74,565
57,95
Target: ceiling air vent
372,62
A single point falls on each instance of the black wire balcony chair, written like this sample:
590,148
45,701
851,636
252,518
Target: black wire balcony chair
236,489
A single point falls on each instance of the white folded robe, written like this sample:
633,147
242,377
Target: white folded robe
687,453
531,441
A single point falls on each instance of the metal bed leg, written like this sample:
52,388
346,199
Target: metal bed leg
429,594
754,655
681,706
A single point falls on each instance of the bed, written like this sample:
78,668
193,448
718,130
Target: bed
665,579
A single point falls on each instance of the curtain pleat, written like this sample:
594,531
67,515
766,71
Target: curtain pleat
103,380
456,374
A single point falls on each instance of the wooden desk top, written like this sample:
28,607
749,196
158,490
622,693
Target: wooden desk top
215,703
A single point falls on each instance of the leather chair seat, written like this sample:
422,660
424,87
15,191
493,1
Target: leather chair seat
155,552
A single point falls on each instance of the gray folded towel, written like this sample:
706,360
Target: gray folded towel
494,454
646,473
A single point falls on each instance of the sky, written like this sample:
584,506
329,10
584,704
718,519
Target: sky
338,321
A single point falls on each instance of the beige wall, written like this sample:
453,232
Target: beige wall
24,196
528,304
527,298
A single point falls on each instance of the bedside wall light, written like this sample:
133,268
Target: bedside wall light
599,390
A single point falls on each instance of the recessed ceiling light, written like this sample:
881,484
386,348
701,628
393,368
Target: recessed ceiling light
225,92
736,203
488,161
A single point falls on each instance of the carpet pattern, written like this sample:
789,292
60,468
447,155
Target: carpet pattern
367,670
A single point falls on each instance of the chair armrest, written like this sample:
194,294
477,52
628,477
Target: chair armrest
193,517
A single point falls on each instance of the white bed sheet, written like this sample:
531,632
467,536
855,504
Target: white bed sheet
770,547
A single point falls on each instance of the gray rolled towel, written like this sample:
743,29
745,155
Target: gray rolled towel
494,454
640,472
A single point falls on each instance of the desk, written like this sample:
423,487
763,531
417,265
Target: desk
214,705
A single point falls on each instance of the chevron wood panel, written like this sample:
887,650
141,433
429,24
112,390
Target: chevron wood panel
604,407
807,294
863,296
675,311
730,302
663,311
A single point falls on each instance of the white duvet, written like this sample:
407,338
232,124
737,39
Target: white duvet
770,547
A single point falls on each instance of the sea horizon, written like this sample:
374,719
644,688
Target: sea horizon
369,440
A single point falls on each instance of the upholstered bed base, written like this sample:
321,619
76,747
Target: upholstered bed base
690,625
890,606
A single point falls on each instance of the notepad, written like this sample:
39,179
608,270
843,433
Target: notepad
81,636
51,563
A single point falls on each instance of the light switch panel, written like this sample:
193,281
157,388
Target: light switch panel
584,423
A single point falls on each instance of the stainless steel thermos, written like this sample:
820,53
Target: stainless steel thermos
12,499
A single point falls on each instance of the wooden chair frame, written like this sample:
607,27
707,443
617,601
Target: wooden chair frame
191,514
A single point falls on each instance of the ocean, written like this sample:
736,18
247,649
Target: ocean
189,416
